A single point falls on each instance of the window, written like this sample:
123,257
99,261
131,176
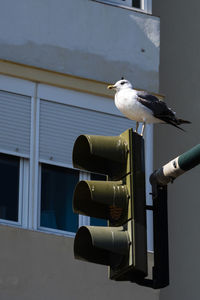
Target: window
131,3
15,139
143,5
57,186
136,3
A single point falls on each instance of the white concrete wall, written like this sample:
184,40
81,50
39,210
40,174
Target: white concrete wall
82,38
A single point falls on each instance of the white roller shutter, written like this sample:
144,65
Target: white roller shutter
15,123
61,124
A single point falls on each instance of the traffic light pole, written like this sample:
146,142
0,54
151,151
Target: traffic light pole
159,180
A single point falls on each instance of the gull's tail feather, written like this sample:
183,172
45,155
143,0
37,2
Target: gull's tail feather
175,125
174,121
181,121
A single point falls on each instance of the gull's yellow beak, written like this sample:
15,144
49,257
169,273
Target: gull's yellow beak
110,87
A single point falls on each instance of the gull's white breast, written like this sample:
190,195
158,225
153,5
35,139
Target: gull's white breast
126,102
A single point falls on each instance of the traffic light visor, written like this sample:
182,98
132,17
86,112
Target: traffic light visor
95,244
101,154
101,199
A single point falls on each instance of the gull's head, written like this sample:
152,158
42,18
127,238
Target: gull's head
121,84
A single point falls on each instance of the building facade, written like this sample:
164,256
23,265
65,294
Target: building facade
179,73
56,59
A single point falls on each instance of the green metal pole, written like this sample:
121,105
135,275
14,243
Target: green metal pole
190,159
176,167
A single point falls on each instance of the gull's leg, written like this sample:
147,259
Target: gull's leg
137,125
143,128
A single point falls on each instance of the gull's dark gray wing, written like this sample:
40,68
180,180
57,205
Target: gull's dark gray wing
159,109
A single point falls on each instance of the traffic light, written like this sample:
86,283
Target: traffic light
120,200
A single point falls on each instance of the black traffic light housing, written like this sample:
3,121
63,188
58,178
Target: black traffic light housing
121,200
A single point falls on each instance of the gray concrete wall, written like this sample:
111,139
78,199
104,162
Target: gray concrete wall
36,265
179,80
82,38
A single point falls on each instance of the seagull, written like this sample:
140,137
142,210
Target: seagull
143,107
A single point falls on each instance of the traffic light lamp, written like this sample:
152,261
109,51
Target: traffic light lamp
120,200
100,199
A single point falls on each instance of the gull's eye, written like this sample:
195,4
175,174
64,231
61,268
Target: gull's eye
123,82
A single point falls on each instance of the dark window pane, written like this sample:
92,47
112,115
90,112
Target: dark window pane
136,3
98,176
56,198
9,187
98,222
95,221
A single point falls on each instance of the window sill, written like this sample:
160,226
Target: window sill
10,223
123,6
56,232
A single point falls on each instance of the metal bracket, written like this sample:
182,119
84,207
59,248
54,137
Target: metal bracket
160,271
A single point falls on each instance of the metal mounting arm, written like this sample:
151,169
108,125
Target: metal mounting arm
176,167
